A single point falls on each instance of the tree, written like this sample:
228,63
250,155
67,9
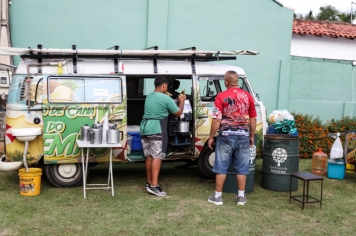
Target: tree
346,17
310,16
329,13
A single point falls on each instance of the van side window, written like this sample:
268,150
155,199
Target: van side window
242,85
175,85
181,84
211,86
84,90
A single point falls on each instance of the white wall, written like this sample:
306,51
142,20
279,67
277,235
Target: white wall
324,47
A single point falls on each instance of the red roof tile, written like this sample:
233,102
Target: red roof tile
328,28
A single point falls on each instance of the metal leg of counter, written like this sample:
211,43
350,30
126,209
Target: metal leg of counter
112,178
84,174
109,185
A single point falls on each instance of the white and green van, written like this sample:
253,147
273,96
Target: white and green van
71,88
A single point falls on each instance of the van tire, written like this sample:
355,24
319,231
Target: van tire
73,177
205,162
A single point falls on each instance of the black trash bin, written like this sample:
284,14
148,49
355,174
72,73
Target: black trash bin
280,159
230,185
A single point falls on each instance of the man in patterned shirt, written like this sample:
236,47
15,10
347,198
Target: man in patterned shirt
234,118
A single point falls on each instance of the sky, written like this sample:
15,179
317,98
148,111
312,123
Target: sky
304,6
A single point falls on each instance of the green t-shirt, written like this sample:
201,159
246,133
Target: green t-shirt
157,106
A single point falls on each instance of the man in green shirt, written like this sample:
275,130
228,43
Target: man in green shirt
154,131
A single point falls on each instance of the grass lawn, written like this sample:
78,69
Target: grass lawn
59,211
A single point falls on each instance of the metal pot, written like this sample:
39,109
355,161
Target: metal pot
98,125
85,133
182,126
96,136
113,136
112,126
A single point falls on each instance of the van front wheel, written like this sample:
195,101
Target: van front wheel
64,175
206,162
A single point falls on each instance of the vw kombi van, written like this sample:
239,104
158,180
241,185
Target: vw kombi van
60,91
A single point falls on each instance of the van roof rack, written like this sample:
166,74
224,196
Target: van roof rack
151,53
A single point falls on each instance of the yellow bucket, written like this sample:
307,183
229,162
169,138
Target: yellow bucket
30,182
350,168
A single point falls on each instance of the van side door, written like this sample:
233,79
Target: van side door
203,106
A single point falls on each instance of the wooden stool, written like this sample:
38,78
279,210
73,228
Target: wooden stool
305,176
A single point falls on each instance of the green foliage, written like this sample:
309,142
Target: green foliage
111,110
18,156
309,16
346,17
345,124
313,132
199,109
70,84
329,13
313,135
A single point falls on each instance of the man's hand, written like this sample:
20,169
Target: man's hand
252,130
182,98
210,142
215,124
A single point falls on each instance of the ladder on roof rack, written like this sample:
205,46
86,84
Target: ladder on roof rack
151,53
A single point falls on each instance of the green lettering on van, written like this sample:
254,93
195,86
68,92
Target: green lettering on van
57,111
57,127
58,146
81,111
71,111
89,111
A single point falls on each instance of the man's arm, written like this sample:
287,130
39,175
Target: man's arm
252,130
215,124
216,120
181,106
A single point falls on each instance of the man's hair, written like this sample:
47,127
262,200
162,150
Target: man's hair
232,77
160,80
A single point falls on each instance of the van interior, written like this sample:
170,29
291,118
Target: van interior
180,143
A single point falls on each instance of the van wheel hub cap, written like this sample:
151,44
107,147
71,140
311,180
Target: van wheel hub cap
211,159
66,172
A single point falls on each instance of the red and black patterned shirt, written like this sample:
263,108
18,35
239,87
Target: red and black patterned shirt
234,107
